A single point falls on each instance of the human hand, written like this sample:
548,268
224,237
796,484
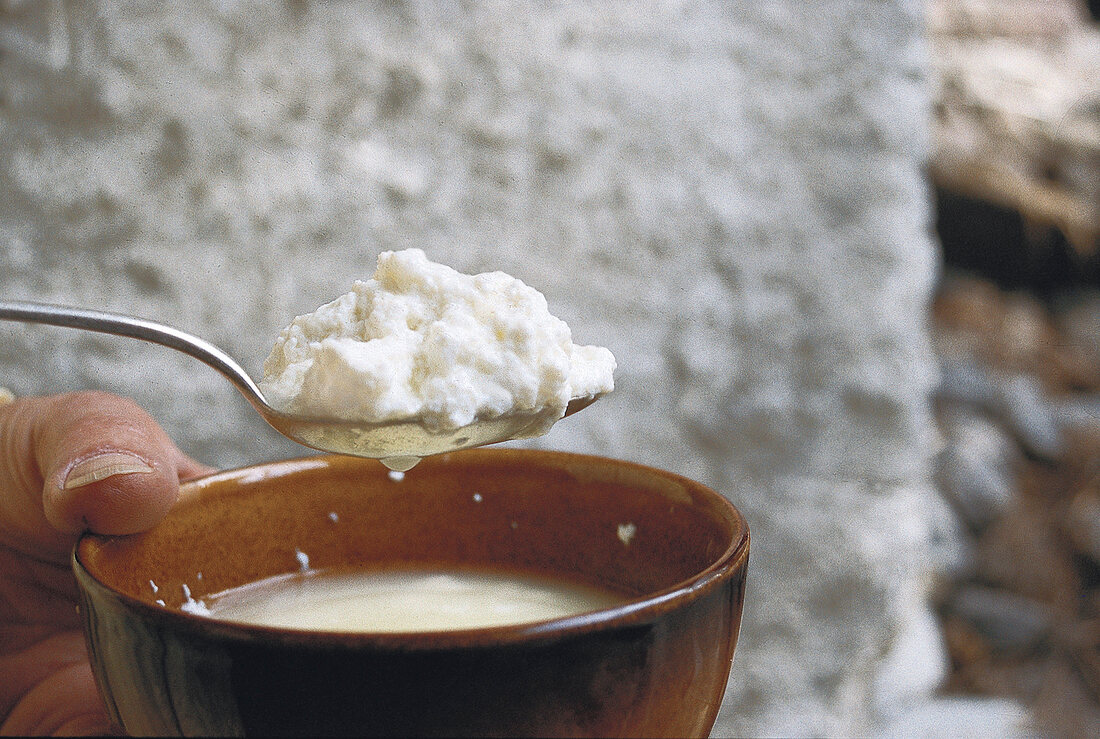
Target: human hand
68,463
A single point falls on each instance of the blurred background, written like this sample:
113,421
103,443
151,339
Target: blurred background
1016,327
844,252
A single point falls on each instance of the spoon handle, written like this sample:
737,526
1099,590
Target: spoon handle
136,328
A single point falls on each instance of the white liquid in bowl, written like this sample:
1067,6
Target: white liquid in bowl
406,601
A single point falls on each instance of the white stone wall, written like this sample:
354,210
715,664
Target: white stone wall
728,195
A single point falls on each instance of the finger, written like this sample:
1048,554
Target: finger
65,702
189,469
87,460
107,466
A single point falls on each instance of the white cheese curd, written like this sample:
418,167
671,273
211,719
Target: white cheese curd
421,341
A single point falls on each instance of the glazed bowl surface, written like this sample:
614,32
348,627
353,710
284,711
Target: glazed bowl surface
655,664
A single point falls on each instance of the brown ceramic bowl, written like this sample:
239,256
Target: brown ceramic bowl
656,665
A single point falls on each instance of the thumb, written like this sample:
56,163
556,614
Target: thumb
83,461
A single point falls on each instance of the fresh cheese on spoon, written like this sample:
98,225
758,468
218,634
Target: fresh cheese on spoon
421,341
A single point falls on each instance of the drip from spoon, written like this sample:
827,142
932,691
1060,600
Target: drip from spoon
399,444
400,464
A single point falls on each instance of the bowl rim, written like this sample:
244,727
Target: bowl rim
636,611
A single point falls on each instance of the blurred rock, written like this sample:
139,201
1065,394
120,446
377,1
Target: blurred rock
1082,523
1028,412
966,381
975,469
1036,19
1066,365
1066,702
1021,552
1080,324
1021,381
968,304
1007,621
950,546
969,650
1078,416
1023,332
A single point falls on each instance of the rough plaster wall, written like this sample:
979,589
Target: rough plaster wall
729,196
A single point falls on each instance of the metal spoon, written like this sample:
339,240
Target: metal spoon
399,444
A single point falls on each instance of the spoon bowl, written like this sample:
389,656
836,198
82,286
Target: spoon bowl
401,443
398,443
